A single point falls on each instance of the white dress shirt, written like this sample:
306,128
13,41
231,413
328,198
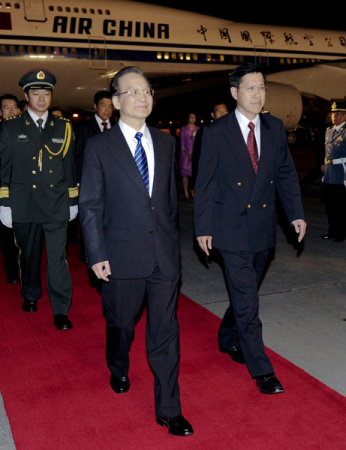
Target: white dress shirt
129,134
36,117
99,122
244,126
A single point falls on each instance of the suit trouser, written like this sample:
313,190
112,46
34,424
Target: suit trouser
241,324
122,301
28,238
335,198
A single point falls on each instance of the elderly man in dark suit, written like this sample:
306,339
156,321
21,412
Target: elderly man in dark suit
244,160
128,212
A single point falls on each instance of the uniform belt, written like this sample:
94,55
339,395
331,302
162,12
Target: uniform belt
336,161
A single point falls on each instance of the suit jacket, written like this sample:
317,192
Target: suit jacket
38,178
84,131
335,148
232,204
119,220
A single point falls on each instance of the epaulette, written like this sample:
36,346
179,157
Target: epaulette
62,118
13,117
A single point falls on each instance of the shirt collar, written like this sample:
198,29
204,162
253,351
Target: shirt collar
35,117
244,121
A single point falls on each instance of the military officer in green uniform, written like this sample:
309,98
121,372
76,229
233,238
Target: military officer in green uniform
39,193
334,177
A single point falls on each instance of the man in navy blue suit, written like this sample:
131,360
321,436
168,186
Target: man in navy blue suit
244,161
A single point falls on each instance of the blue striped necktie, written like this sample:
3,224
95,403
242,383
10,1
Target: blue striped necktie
141,160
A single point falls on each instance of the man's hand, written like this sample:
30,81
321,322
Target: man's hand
102,270
300,227
205,243
6,216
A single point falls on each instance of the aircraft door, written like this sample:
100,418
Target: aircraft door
97,53
34,10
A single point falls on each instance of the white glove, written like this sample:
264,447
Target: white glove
6,216
73,212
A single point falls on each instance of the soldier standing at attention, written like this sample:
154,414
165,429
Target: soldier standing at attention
39,193
334,179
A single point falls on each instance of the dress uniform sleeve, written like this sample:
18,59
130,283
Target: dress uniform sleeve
6,164
69,164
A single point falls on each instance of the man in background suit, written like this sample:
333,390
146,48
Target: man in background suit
239,172
128,213
99,122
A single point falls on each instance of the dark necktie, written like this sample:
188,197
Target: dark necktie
252,146
105,127
141,160
40,122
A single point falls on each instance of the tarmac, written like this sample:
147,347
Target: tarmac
302,296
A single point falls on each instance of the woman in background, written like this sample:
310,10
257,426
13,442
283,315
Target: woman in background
187,138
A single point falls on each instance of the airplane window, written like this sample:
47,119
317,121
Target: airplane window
174,55
56,51
92,11
108,13
68,9
16,5
8,5
75,10
51,8
99,11
3,49
59,8
12,49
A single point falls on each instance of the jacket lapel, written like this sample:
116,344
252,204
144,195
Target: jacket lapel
121,152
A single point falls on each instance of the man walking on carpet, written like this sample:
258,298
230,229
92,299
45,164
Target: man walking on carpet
128,214
244,160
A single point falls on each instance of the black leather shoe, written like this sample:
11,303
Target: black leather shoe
177,425
235,352
120,385
12,280
269,384
62,322
29,306
327,236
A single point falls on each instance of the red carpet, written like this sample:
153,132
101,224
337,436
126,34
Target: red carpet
55,386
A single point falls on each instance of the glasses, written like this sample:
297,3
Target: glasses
137,92
254,89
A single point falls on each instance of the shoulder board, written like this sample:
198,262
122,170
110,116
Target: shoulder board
13,117
61,118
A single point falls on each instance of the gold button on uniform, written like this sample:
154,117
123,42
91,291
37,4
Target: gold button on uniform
264,206
239,183
249,206
34,172
50,171
34,186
